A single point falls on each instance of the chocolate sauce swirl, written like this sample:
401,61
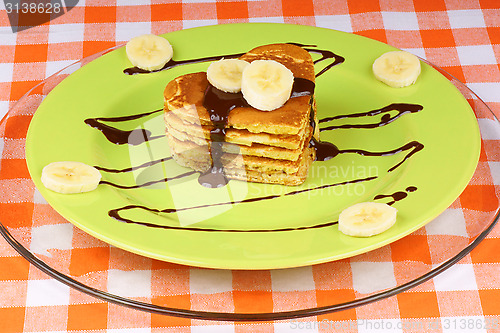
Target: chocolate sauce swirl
118,136
401,108
396,196
115,213
146,184
327,150
130,169
325,55
174,63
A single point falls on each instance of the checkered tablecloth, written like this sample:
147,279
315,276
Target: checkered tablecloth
461,36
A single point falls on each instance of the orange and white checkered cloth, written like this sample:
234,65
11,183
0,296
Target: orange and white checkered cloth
462,37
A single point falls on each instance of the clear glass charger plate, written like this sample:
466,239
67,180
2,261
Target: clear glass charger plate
96,268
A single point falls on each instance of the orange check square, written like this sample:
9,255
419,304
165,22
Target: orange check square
100,14
31,53
411,247
489,4
92,316
430,6
89,260
232,10
489,301
19,88
329,297
16,215
297,8
17,127
418,305
13,168
487,251
456,71
437,38
12,319
494,34
253,301
180,302
356,6
14,268
479,197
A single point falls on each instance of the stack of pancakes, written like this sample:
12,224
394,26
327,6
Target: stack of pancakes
258,146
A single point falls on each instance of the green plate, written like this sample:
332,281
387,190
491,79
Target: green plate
293,226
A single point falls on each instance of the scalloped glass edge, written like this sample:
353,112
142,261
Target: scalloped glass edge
225,316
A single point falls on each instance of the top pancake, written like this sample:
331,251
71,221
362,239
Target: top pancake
184,95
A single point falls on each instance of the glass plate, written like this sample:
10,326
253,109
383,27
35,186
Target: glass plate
421,155
88,265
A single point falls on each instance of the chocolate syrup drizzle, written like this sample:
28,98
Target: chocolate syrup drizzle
173,63
134,168
115,213
152,182
324,150
401,108
396,196
219,104
118,136
325,55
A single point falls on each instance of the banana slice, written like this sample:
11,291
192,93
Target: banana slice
397,68
366,219
149,52
266,84
226,74
70,177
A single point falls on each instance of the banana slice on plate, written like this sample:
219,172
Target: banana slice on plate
366,219
266,84
149,52
397,68
70,177
226,74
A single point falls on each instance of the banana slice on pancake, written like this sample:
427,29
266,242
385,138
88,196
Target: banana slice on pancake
70,177
397,68
366,219
266,84
149,52
226,74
